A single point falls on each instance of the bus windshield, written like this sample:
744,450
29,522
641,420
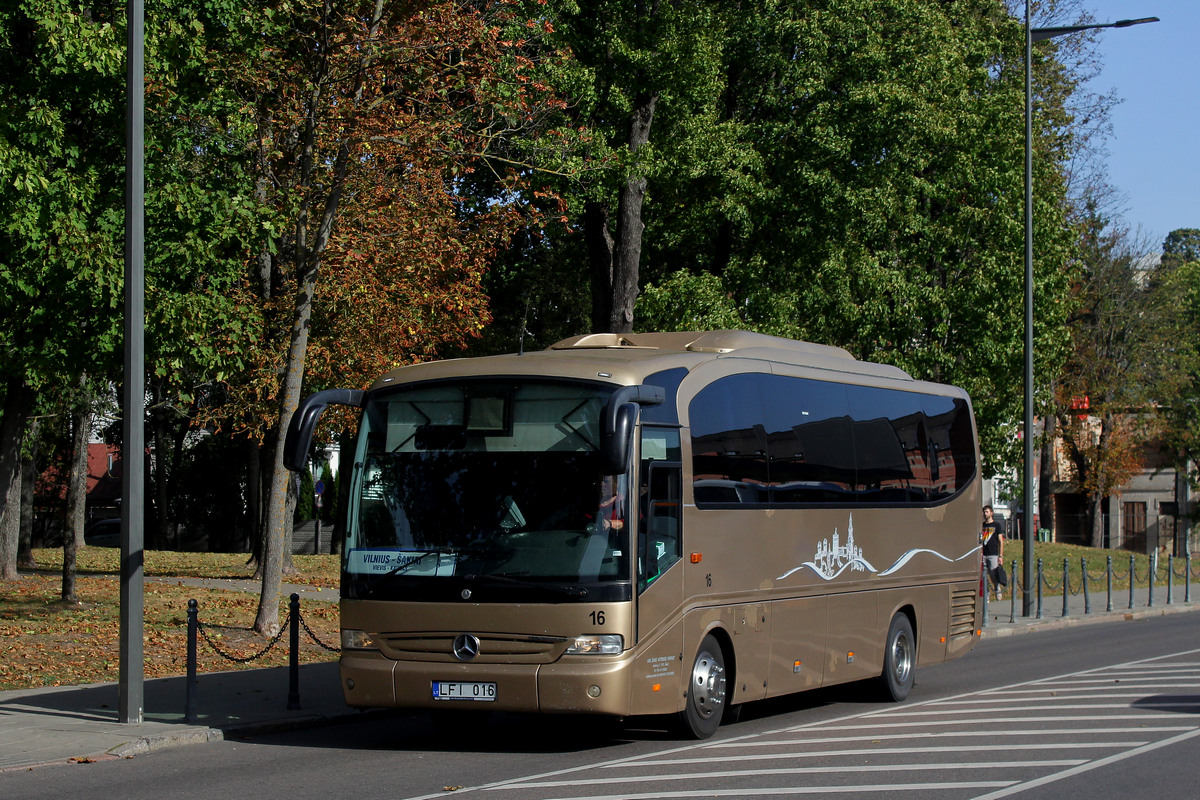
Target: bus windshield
485,489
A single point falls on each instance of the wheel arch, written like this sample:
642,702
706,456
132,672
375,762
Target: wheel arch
726,641
910,611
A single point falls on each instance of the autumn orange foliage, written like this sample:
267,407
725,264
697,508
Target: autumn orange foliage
369,123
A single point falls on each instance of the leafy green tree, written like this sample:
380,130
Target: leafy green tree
640,75
1176,289
366,118
688,302
845,171
1117,341
330,480
60,222
1181,247
305,506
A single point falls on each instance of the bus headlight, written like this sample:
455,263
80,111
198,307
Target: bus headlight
602,644
357,640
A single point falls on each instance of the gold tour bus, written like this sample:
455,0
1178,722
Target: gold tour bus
656,523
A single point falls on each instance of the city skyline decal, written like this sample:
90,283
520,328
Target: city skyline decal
832,558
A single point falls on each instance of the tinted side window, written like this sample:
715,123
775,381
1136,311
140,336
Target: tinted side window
664,413
729,447
661,504
810,440
770,439
951,444
890,445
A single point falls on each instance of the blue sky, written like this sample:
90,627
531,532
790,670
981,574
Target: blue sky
1154,149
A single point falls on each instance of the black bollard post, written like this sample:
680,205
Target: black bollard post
1132,566
1039,589
193,629
293,703
1108,580
1066,585
1087,599
1012,596
983,582
1170,577
1153,569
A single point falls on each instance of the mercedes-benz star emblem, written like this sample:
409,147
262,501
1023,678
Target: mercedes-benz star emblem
466,647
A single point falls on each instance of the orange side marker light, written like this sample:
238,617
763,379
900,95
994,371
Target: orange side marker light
697,558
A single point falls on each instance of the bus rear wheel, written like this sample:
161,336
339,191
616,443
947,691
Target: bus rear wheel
706,697
899,659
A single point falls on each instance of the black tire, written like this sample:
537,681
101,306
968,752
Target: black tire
706,699
899,659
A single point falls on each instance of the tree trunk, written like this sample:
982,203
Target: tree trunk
279,505
307,256
18,401
28,485
600,263
81,422
1096,501
10,529
627,251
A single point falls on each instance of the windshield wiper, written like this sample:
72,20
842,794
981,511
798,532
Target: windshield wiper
569,589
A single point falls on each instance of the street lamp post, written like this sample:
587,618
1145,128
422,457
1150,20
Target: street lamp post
1028,532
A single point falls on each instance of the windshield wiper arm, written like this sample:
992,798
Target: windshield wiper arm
569,589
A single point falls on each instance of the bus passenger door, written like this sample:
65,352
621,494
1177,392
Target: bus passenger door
659,574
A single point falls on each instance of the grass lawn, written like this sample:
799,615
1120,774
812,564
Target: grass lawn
1053,555
49,643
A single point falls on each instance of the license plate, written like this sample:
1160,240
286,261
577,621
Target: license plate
464,690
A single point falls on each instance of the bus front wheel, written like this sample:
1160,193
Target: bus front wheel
706,697
899,659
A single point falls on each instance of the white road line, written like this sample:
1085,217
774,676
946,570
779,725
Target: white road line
1044,704
1133,714
1060,698
1091,681
1007,696
1168,665
990,734
690,794
879,751
872,721
1102,762
832,770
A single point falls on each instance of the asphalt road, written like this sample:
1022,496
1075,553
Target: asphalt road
1102,711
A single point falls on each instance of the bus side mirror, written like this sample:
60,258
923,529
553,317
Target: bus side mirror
618,421
300,429
615,445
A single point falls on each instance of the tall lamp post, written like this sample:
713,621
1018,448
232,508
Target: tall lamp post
1036,35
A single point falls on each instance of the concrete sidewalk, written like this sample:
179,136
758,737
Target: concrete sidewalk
62,724
1004,618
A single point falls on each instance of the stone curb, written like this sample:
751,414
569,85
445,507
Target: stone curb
149,744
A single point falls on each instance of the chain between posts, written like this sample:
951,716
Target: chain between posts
1169,573
291,624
